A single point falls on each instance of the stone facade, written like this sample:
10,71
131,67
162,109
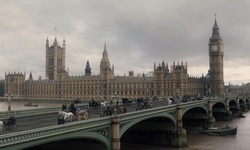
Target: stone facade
165,81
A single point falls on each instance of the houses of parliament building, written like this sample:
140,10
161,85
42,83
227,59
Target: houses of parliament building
166,81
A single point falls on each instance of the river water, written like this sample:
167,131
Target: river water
195,142
19,105
241,141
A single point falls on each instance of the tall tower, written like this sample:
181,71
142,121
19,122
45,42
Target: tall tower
216,52
55,60
106,72
87,69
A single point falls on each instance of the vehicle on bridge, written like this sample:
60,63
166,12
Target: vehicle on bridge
144,104
126,101
109,108
10,124
81,114
80,110
94,103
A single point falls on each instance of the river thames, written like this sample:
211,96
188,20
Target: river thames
207,142
195,141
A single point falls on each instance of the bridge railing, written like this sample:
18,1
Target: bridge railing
195,103
46,132
169,108
205,101
142,113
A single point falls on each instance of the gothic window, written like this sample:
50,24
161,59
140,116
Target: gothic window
178,84
59,62
51,61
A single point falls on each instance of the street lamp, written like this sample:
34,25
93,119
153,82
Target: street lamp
98,92
9,96
147,93
209,92
115,97
178,96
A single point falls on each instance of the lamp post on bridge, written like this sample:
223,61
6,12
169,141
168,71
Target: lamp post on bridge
116,103
178,96
147,91
9,96
115,119
209,92
98,92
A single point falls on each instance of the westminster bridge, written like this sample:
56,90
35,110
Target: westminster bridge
165,125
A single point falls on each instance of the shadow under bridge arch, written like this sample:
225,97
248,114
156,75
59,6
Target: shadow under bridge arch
194,118
155,130
220,112
86,140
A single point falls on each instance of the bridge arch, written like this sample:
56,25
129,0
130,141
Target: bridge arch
126,126
194,116
233,102
241,103
157,129
80,135
233,106
219,104
220,112
193,107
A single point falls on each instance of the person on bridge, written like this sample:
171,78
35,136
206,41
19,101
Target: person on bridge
125,110
72,108
64,107
60,120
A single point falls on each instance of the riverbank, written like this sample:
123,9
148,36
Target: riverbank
44,101
20,104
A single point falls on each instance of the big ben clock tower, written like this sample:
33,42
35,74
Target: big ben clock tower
216,52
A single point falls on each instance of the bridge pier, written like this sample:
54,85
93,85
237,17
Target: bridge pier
229,113
181,134
240,110
212,120
245,105
115,136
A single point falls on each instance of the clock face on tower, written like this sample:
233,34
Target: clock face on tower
214,48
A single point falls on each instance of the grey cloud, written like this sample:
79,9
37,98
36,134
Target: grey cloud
138,33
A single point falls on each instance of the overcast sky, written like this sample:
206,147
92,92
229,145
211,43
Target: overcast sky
138,34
